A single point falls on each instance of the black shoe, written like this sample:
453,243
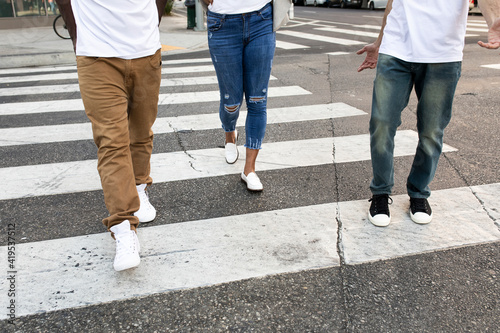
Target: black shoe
379,213
420,210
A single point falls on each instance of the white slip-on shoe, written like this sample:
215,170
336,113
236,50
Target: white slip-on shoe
127,247
231,150
252,181
146,212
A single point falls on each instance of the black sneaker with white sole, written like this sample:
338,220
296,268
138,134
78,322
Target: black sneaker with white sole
379,214
420,210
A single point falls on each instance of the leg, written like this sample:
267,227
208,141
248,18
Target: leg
435,86
143,108
391,92
258,61
226,45
106,104
142,113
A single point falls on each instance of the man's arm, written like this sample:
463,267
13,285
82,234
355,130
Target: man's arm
491,13
160,4
69,19
372,49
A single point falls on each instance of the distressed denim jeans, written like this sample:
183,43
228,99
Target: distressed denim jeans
435,86
242,50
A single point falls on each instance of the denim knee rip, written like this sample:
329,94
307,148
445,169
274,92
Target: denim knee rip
257,99
232,108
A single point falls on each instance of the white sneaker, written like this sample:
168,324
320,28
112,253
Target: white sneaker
127,247
231,150
252,181
146,212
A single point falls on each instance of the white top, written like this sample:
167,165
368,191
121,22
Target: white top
116,28
426,31
236,6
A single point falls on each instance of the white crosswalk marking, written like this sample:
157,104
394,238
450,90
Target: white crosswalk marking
349,32
68,88
79,176
74,75
494,66
290,46
74,132
164,99
324,39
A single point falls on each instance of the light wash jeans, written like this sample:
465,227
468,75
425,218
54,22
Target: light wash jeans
435,86
242,50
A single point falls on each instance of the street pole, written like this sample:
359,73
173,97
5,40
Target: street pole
200,21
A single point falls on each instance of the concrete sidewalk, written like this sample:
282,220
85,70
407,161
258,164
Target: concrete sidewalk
40,46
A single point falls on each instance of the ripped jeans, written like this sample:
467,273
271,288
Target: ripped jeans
435,88
242,50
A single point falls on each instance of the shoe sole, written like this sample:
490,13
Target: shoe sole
147,220
414,219
123,268
249,189
370,218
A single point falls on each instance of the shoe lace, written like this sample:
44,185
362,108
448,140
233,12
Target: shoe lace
419,205
125,243
144,199
380,203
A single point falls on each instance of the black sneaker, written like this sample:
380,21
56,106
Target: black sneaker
379,213
420,210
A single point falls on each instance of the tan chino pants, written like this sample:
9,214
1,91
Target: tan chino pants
121,100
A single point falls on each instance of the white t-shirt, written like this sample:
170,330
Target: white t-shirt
236,6
426,31
116,28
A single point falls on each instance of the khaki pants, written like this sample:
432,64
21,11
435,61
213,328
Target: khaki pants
121,100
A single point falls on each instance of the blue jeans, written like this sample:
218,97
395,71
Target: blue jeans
435,86
242,50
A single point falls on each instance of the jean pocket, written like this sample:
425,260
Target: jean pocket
214,23
266,13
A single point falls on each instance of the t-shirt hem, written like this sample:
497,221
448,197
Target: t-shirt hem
137,55
433,60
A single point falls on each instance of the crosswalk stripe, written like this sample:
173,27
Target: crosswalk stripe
77,271
349,32
477,24
45,69
83,131
53,69
289,46
324,39
368,26
39,77
477,29
74,75
337,53
80,176
494,66
173,98
67,88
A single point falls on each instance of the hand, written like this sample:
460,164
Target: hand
493,36
208,2
371,57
